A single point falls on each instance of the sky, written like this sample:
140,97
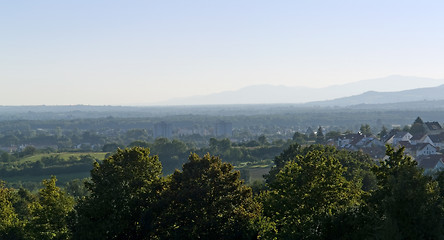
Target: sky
143,52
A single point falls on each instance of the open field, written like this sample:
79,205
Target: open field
64,155
31,179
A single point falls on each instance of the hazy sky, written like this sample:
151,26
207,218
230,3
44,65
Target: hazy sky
133,52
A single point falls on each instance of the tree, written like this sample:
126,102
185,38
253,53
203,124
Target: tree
49,214
139,143
418,127
9,221
219,146
262,139
320,136
332,135
29,150
365,129
357,164
406,201
306,194
111,147
76,188
123,190
299,138
206,200
406,128
383,132
170,153
280,161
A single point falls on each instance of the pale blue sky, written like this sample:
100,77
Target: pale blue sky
135,52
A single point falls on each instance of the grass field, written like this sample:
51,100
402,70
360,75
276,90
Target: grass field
31,181
65,155
256,172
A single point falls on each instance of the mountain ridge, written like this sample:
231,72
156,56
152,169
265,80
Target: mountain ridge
272,94
374,97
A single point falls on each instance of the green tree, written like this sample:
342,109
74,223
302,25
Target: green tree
406,201
139,143
9,222
123,190
357,164
262,140
22,199
76,188
418,127
366,129
383,132
299,138
280,161
332,135
406,128
29,150
49,214
111,147
306,194
206,200
320,139
171,153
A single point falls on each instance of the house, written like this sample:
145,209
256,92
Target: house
425,149
437,140
431,163
433,127
367,142
399,137
389,135
421,138
348,140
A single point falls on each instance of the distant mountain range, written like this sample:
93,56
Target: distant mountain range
373,97
392,89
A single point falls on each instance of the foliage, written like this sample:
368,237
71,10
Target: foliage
48,215
306,193
365,129
76,188
406,202
170,152
299,138
206,200
418,127
332,135
122,190
320,138
383,132
10,225
357,165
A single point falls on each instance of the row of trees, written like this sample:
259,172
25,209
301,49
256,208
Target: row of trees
314,192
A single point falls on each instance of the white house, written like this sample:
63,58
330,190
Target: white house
399,137
425,149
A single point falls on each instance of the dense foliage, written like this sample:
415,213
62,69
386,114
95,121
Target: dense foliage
313,192
122,190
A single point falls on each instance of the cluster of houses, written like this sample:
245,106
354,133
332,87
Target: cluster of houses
424,147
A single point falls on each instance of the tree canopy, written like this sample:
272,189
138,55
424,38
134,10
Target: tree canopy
306,193
206,200
123,190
